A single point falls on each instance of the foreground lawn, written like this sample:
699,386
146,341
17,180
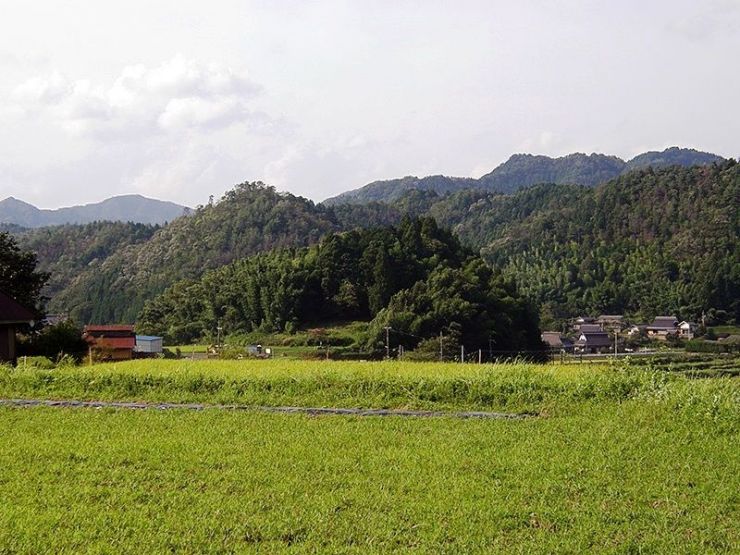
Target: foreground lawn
616,459
637,476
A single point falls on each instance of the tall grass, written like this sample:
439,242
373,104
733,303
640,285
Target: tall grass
514,387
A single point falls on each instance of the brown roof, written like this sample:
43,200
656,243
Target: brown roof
113,327
552,338
12,312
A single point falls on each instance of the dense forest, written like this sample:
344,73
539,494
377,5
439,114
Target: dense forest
650,241
250,218
416,278
19,277
525,170
65,252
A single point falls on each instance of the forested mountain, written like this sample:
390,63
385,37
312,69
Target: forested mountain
125,208
673,156
250,218
523,170
390,190
648,242
66,252
415,278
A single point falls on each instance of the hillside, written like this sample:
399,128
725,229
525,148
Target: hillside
392,189
415,278
523,170
649,242
251,218
125,208
673,156
67,251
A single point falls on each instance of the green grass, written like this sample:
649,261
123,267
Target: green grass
618,460
512,387
610,477
732,330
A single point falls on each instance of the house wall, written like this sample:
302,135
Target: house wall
149,346
7,343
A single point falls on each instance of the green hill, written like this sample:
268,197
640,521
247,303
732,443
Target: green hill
249,219
648,242
524,170
415,278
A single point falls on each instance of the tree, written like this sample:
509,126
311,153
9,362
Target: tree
18,275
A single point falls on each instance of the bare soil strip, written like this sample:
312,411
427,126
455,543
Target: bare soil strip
313,411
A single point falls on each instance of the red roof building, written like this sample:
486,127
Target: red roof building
115,342
12,315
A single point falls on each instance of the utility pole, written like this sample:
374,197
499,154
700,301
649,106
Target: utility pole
462,353
440,346
480,356
387,342
616,336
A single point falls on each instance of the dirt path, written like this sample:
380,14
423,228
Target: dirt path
314,411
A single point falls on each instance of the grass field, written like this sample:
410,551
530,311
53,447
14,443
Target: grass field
616,459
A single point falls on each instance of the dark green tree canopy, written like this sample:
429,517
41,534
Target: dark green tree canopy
416,275
18,275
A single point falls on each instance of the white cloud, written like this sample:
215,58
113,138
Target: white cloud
178,95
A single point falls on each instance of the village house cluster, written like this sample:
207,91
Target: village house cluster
608,333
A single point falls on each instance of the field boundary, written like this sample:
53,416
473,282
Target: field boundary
312,411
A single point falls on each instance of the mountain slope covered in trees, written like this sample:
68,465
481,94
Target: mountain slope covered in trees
523,170
66,252
415,278
648,242
248,219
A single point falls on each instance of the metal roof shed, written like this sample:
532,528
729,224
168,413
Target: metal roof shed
148,344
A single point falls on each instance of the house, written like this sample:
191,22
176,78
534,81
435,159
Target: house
611,321
579,322
590,328
636,330
12,316
662,327
557,342
687,330
596,342
148,344
115,342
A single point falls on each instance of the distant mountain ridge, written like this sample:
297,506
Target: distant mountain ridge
124,208
523,170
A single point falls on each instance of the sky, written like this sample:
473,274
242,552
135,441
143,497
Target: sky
181,100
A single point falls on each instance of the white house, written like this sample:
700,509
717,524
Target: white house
686,330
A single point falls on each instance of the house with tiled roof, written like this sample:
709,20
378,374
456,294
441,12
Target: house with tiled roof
114,342
593,342
557,342
662,327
